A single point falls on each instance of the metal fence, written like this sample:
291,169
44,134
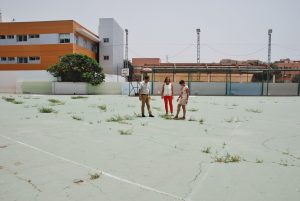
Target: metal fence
229,81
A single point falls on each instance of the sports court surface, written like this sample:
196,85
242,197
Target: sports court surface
98,148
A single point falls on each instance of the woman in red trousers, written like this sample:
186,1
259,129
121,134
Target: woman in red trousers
167,94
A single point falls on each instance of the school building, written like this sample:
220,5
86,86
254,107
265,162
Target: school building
27,49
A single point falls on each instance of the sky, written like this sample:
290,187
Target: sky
230,29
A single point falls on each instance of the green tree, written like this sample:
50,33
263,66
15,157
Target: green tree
78,68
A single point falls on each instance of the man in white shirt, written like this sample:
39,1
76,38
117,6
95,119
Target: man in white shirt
144,96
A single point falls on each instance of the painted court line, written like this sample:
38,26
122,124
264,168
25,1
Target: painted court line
94,169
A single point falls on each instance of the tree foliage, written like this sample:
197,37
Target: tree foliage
78,68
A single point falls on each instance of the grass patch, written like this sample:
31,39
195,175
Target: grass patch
11,100
157,108
79,97
206,150
94,176
228,158
232,120
56,102
102,107
126,132
259,161
167,117
46,110
76,118
120,119
192,119
201,121
192,110
254,110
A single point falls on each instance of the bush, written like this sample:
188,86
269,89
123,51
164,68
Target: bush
77,68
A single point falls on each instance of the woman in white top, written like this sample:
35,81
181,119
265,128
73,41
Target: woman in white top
182,99
167,94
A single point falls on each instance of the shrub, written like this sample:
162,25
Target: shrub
77,68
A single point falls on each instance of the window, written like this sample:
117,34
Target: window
76,40
106,57
64,38
10,36
34,58
34,35
2,36
11,58
106,40
21,38
22,60
3,58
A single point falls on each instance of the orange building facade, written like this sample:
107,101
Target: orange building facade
38,45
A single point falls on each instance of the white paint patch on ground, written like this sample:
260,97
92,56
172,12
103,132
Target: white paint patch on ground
52,156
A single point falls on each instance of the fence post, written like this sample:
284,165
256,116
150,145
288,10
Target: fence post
267,83
262,83
299,86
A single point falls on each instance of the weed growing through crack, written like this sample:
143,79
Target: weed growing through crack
259,161
232,120
192,110
103,108
46,110
254,110
157,108
167,117
79,97
201,121
56,102
120,119
76,118
283,163
126,132
11,100
94,176
228,158
206,150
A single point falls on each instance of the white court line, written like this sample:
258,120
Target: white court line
94,169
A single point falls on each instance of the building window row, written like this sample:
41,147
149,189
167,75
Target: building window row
20,38
20,60
106,57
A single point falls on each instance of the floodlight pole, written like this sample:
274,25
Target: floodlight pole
198,45
269,59
126,49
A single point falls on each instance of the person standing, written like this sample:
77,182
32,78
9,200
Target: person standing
144,96
182,99
167,93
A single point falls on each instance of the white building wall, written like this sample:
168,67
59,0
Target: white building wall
109,28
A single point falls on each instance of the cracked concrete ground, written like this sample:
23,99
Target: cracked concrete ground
51,156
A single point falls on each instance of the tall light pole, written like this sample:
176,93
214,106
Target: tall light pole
269,47
198,45
126,49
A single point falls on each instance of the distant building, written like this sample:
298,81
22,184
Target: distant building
195,72
111,53
287,76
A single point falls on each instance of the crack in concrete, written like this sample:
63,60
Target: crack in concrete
193,181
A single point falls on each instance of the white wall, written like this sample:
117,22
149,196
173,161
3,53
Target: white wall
109,28
9,80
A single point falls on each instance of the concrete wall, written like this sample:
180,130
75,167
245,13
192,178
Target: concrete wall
109,28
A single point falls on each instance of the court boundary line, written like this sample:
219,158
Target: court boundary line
123,180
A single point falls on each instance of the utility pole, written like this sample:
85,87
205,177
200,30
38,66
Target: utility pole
198,45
